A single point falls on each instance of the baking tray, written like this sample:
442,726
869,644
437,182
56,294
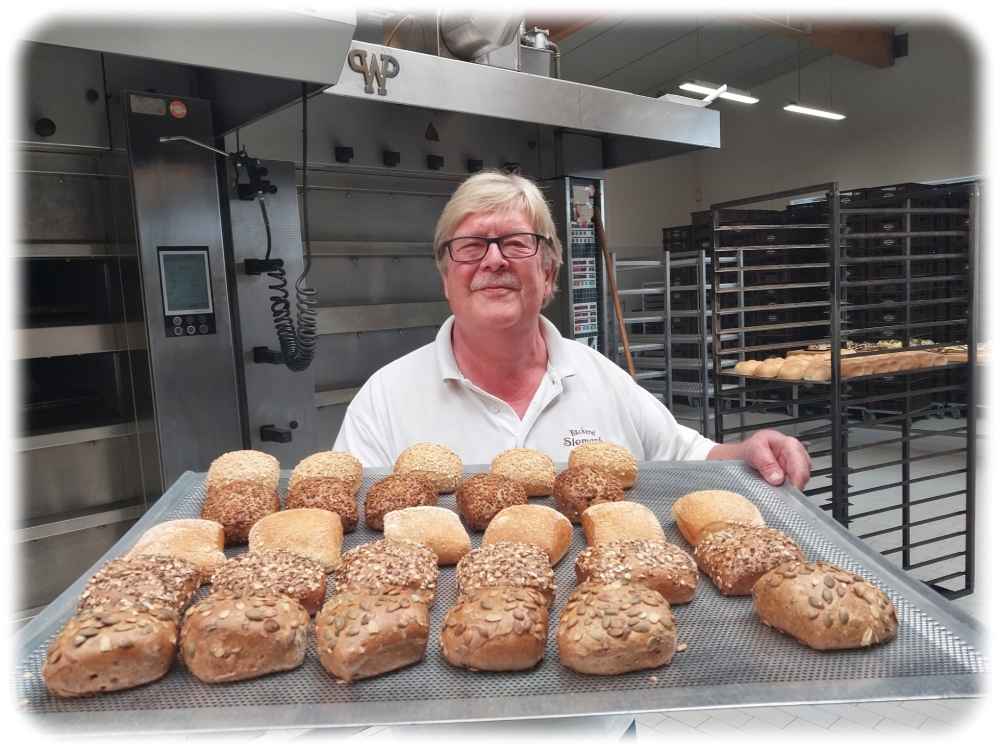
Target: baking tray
731,659
852,379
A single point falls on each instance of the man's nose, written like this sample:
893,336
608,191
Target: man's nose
493,258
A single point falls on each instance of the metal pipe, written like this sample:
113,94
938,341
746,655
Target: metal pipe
170,138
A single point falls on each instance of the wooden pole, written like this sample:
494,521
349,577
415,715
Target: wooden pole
623,332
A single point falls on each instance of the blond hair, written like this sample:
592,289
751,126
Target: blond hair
492,191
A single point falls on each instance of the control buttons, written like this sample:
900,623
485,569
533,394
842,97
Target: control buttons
203,328
178,331
177,320
190,330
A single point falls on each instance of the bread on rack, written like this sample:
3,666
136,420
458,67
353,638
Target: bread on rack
442,465
334,495
610,458
532,469
793,368
579,487
661,566
312,533
145,582
748,366
695,511
482,496
394,492
612,522
438,528
389,564
248,465
328,465
819,370
536,524
515,564
274,572
196,541
735,555
770,367
238,505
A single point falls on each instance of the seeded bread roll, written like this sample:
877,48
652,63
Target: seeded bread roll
770,367
250,466
611,522
238,506
309,532
114,649
532,469
735,555
441,462
438,528
823,606
514,564
614,628
196,541
144,582
661,566
696,510
328,465
608,457
748,367
501,629
273,573
482,496
389,564
536,524
579,487
394,492
228,637
334,495
361,634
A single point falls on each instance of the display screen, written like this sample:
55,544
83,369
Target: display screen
185,278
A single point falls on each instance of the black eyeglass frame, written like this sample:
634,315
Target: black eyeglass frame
539,239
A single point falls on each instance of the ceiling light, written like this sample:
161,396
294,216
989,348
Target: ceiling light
700,87
813,112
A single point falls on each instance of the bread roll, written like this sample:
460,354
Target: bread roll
536,524
770,367
610,458
389,564
515,564
394,492
793,368
735,555
696,510
238,506
362,634
501,629
532,469
614,628
144,582
482,496
661,566
250,466
334,495
818,371
308,532
443,465
855,367
196,541
271,573
438,528
579,487
748,366
328,465
115,649
611,522
228,637
823,606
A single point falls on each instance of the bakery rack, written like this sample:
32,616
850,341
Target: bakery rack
880,263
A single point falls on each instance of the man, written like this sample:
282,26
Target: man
499,375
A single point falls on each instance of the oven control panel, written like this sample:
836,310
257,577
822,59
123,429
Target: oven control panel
186,285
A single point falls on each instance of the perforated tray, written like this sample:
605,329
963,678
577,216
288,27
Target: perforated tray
732,659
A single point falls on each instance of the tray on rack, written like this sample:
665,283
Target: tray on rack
852,379
731,658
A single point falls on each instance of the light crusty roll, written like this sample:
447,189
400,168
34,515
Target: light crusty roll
238,506
250,466
438,528
613,628
535,524
770,367
661,566
748,367
328,465
532,469
793,368
334,495
818,370
735,555
696,510
614,459
312,533
611,522
362,634
823,606
196,541
482,496
274,572
514,564
442,464
228,637
389,564
145,582
394,492
115,649
500,629
579,487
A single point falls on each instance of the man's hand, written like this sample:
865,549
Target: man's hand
773,454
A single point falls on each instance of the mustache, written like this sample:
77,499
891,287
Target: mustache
506,280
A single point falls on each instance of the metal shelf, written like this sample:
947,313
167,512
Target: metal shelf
64,341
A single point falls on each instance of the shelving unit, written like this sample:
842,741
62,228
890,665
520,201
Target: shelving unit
647,347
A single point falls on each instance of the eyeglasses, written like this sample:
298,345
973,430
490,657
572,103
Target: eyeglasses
512,246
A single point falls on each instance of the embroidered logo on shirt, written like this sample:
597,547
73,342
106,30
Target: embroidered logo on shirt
579,436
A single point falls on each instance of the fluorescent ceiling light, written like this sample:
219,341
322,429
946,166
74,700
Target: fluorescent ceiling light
700,87
813,112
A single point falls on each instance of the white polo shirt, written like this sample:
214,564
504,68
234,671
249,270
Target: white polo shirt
584,397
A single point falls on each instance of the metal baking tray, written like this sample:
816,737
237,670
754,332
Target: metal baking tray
731,659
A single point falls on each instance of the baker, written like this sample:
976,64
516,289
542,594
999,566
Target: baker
499,375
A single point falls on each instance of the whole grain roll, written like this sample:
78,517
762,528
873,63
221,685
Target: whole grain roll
438,528
394,492
196,541
145,582
441,462
661,566
389,564
334,495
579,487
238,505
610,522
328,465
482,496
613,459
515,564
697,510
308,532
532,469
272,573
250,466
735,555
535,524
823,606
